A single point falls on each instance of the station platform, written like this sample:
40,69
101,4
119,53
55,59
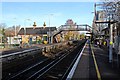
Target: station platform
93,64
9,51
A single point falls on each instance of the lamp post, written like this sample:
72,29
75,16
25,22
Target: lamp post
49,30
15,37
15,25
25,25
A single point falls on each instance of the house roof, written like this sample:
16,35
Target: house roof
36,31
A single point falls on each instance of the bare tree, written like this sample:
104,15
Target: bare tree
2,25
10,31
112,10
2,31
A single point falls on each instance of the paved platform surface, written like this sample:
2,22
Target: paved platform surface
8,51
94,65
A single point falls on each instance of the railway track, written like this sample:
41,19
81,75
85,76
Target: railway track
38,68
61,69
57,68
24,59
21,64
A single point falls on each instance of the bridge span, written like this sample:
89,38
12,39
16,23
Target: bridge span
82,27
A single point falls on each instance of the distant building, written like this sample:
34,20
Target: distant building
100,17
101,27
69,22
68,35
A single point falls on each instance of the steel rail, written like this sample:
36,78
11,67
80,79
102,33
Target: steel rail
34,66
29,68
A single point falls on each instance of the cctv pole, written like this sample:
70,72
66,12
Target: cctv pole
110,43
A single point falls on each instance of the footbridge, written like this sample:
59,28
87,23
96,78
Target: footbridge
82,27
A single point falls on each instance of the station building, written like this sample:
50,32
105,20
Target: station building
35,35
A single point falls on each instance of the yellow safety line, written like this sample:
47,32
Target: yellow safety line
96,66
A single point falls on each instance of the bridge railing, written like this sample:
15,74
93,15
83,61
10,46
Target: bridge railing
83,27
70,28
75,29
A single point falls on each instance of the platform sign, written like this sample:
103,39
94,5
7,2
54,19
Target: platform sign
45,37
34,38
